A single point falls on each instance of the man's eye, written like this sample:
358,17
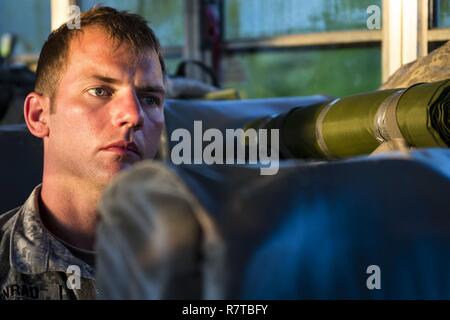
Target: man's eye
99,92
149,100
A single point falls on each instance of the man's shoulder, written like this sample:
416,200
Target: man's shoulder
7,219
6,225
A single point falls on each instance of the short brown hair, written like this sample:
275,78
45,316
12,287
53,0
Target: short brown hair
121,26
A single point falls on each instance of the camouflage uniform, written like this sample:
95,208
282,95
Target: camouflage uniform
431,68
34,264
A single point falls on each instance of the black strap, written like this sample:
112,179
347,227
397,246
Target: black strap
181,70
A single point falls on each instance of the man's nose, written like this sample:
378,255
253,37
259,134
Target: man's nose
128,111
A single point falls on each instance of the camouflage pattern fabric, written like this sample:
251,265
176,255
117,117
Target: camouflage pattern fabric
431,68
35,265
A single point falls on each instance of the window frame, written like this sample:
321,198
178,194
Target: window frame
399,44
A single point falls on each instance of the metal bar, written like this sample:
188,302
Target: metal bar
422,32
307,40
439,35
409,31
392,37
192,47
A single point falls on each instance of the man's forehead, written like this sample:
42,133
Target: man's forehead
93,42
93,52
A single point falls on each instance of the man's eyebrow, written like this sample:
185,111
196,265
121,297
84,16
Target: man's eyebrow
145,88
103,79
152,88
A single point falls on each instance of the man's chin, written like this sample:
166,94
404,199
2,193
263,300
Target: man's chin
107,171
118,167
102,177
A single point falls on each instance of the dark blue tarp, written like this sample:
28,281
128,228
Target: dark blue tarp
309,232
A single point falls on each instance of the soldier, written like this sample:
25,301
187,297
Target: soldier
98,107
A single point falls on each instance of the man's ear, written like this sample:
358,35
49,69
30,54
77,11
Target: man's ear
36,111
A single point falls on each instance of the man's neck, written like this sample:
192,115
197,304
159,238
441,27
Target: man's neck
68,210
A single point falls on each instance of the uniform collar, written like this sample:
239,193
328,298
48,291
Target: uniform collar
34,250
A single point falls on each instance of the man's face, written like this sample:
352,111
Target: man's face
108,110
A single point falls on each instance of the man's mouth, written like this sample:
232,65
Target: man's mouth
123,147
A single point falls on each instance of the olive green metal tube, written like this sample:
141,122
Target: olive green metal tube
358,124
